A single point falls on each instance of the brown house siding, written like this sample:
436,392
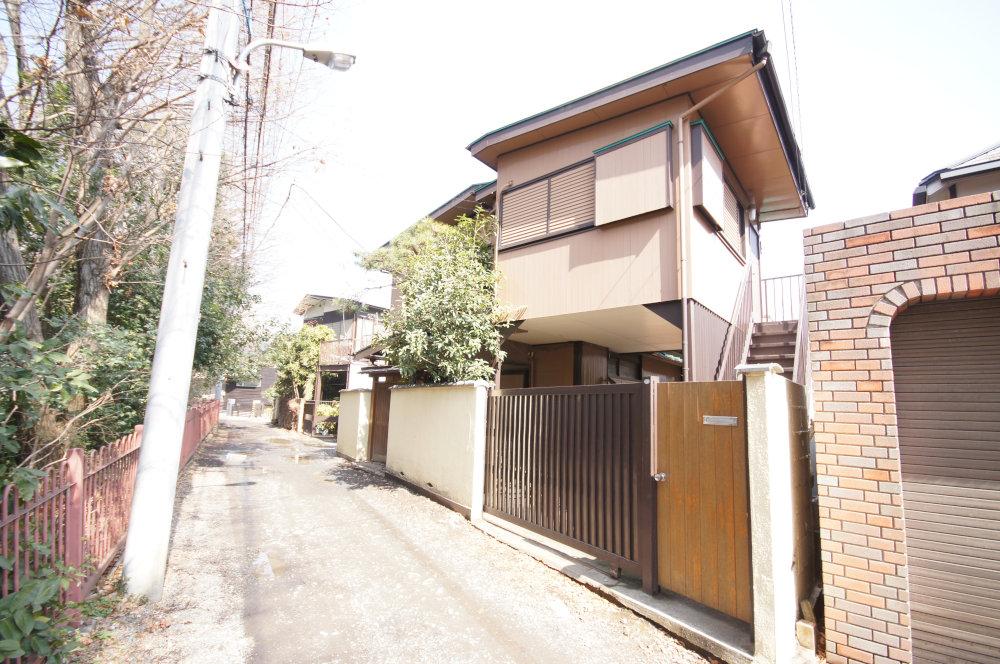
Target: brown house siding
860,274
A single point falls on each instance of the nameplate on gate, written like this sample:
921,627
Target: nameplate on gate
721,420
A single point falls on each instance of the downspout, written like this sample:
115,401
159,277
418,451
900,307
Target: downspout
683,213
496,266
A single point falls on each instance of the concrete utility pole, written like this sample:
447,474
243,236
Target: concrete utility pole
159,457
148,538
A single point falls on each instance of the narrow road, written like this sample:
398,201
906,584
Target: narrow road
283,552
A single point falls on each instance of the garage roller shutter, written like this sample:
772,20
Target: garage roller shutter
946,358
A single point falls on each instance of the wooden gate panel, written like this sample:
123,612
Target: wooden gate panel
378,437
703,502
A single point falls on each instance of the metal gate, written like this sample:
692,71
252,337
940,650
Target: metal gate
572,463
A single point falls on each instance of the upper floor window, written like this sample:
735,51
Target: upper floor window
633,175
733,222
549,206
713,196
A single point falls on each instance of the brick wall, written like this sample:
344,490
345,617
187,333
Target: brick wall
859,275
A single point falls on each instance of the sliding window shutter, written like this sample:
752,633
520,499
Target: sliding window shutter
633,178
558,204
732,227
572,199
524,214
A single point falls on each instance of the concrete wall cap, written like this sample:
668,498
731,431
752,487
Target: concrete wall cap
771,367
462,383
356,389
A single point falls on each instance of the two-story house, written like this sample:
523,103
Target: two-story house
354,324
630,220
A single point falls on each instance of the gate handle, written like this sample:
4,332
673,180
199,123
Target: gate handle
660,477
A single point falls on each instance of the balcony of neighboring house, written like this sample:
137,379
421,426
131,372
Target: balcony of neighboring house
630,220
336,352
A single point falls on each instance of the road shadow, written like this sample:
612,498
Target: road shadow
354,478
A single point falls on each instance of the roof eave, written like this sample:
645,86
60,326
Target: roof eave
734,47
779,112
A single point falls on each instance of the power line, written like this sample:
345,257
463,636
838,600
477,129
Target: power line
795,60
323,210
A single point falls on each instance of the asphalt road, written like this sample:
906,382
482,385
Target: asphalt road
283,552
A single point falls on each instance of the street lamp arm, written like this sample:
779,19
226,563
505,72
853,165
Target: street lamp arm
243,60
314,52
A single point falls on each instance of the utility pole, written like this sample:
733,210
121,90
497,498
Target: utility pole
148,539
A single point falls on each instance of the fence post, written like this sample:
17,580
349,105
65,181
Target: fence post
772,521
74,558
646,489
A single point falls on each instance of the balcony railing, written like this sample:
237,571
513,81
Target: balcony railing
781,298
338,351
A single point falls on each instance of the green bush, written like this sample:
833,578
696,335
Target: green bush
446,324
325,418
33,619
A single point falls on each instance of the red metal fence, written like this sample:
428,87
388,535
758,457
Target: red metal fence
79,514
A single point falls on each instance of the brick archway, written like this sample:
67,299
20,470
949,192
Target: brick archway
896,301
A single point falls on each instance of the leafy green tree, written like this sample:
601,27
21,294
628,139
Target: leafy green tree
445,326
295,357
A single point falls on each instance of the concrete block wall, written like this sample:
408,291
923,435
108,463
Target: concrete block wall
354,424
859,275
437,441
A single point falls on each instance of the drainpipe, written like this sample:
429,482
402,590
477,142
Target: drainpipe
683,184
496,266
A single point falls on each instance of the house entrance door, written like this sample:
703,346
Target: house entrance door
378,438
703,512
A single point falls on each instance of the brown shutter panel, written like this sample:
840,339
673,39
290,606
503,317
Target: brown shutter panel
559,204
523,215
946,359
731,219
572,199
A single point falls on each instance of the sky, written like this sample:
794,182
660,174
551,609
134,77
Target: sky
880,94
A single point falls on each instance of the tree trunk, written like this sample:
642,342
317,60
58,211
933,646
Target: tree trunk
14,272
92,288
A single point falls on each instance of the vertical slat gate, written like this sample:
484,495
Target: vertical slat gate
567,462
703,511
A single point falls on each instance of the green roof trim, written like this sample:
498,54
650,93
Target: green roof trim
634,137
711,138
476,188
724,42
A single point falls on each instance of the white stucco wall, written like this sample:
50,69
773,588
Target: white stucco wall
716,273
353,423
437,440
357,380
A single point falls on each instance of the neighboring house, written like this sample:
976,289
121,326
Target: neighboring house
977,174
630,221
243,393
354,324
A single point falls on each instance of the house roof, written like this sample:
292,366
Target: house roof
987,159
465,201
309,301
696,74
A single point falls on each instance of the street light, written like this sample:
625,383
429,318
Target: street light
146,546
314,52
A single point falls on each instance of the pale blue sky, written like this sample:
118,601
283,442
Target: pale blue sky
889,91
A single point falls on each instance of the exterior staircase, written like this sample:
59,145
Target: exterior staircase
774,342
